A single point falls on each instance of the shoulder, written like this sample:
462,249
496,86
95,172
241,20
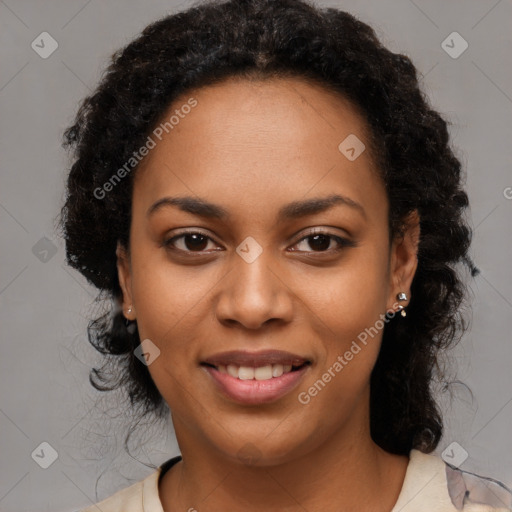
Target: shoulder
432,484
471,491
142,496
139,497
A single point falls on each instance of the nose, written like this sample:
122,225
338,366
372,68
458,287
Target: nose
253,294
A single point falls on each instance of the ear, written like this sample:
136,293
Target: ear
124,275
404,260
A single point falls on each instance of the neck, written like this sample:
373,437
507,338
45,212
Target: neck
349,469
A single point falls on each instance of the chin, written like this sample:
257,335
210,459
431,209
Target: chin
264,450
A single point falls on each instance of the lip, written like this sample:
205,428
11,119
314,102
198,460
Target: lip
255,392
255,359
252,391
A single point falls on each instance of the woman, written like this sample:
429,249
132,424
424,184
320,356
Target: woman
274,209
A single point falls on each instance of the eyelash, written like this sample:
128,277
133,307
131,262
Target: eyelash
343,242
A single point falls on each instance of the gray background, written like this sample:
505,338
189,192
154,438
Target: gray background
45,393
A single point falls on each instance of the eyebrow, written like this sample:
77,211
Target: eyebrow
294,210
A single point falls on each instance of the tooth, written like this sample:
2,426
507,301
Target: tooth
260,373
263,372
232,370
245,373
277,370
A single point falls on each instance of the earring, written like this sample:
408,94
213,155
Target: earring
130,324
402,296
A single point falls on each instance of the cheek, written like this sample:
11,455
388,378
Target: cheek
168,298
168,306
349,307
352,297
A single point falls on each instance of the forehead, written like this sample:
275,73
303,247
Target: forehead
260,140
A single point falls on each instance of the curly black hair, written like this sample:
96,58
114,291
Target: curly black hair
249,39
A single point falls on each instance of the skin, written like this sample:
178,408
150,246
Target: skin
253,147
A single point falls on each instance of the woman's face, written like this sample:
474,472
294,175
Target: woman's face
261,166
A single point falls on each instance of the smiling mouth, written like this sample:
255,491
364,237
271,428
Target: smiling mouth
264,372
261,365
254,379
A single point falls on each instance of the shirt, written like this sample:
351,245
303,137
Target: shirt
430,485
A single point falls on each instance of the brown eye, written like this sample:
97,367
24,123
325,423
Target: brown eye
191,241
319,242
323,242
